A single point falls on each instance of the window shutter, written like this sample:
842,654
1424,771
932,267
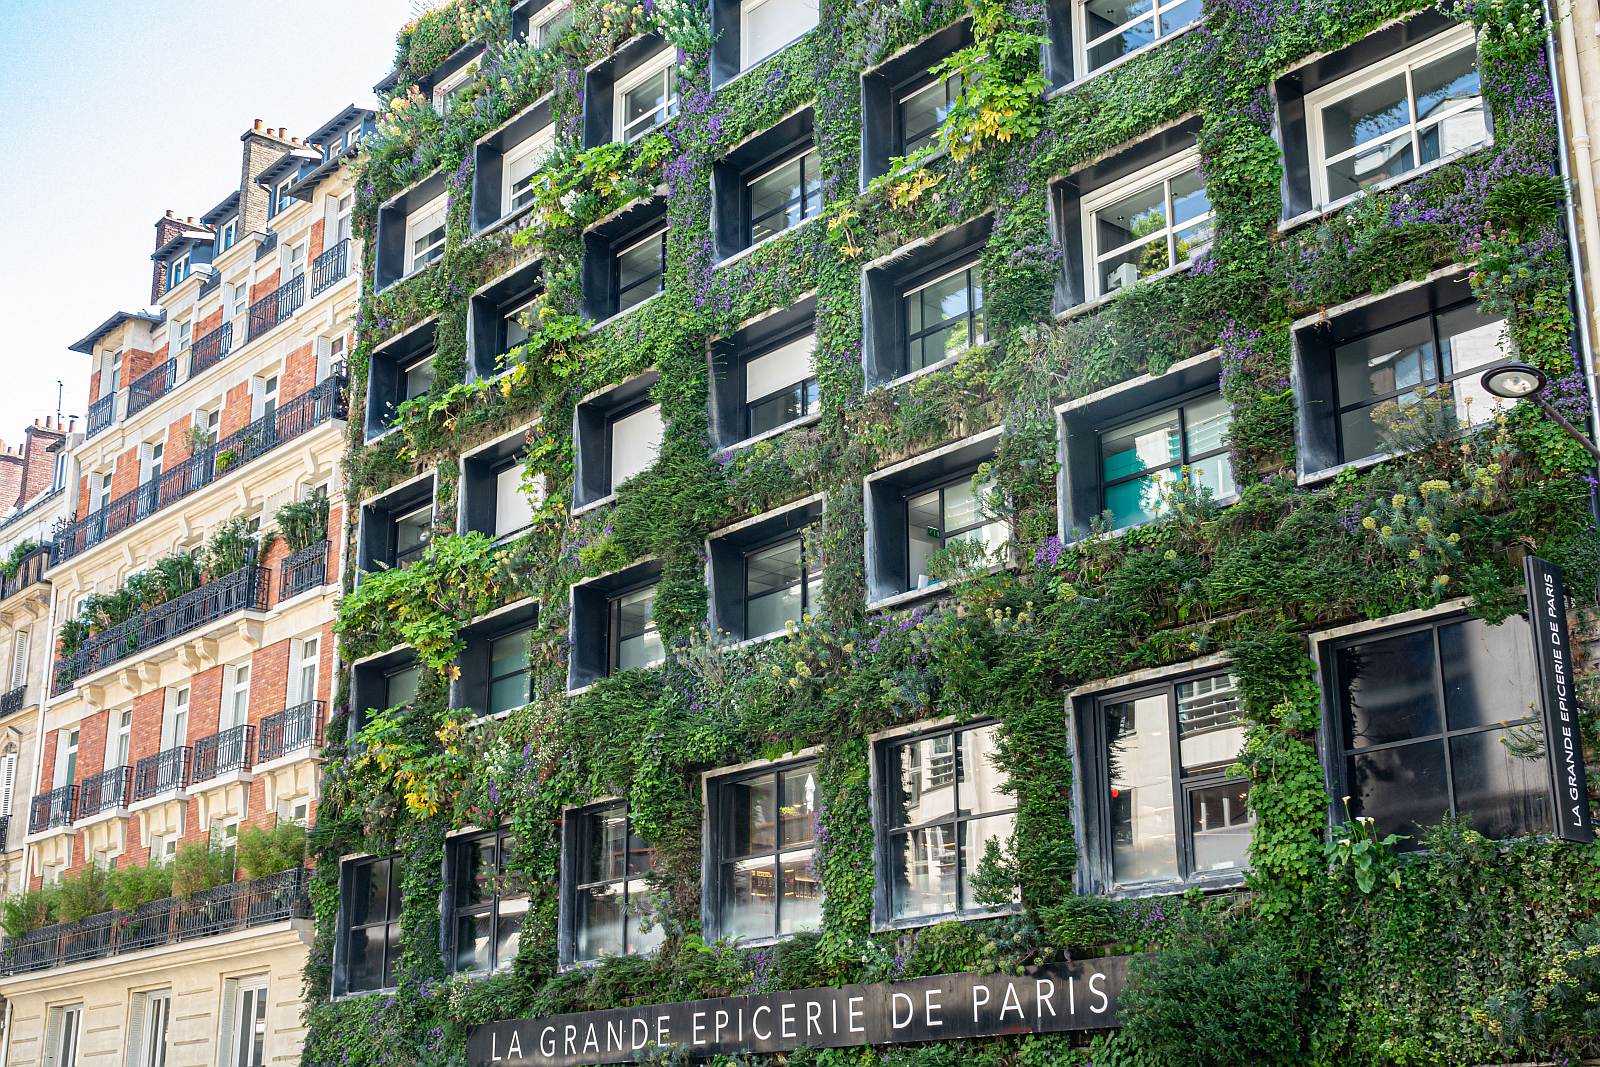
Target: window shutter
19,660
8,782
230,1011
136,1014
52,1037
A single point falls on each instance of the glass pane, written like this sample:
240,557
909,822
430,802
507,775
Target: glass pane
1219,826
1450,84
1189,200
419,379
943,300
1488,673
777,199
1210,733
752,806
922,780
603,834
509,654
640,652
641,101
785,407
1370,166
475,870
1362,431
1175,17
938,344
802,893
474,935
1502,781
1388,689
924,111
799,810
976,837
1403,788
1149,443
1365,116
1129,220
1205,422
508,931
924,530
512,691
366,958
1139,500
963,506
639,271
369,892
982,780
1215,474
749,898
635,612
641,906
923,871
773,568
641,855
401,686
599,915
771,613
1144,843
1470,338
1386,362
1136,35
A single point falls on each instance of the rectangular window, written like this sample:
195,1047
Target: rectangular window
784,195
451,89
184,336
343,216
647,98
640,270
1436,720
513,508
607,895
519,167
1109,29
63,1028
148,1017
177,271
943,316
1147,223
175,718
782,583
238,300
921,111
1408,111
265,400
486,909
1380,379
635,440
1141,460
236,701
400,685
229,235
117,752
780,386
634,640
946,803
550,23
765,26
412,532
280,195
1171,811
425,232
308,655
244,1022
294,265
66,757
764,881
372,924
19,660
510,681
947,515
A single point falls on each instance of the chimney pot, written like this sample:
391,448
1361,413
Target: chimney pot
169,212
258,125
281,131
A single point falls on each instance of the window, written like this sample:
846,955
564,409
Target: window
764,881
237,300
509,683
281,200
244,1022
178,270
500,316
343,214
640,270
784,195
513,507
163,847
634,642
920,111
424,235
175,718
400,685
486,908
619,434
1435,720
1148,223
453,88
520,166
19,660
782,583
1413,109
945,802
209,423
763,379
646,98
548,23
154,452
1164,808
413,531
183,334
635,440
372,924
397,527
607,895
307,662
1142,459
765,26
903,103
947,515
625,259
1108,29
111,374
121,740
66,757
228,236
62,1030
944,316
148,1017
925,305
401,369
236,700
497,496
294,261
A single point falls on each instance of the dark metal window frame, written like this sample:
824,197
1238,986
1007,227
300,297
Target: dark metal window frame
1094,780
885,836
348,926
1176,404
912,87
576,841
808,387
765,169
614,625
455,856
615,416
941,486
527,629
807,572
718,854
967,263
656,231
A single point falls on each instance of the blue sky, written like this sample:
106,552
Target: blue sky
111,112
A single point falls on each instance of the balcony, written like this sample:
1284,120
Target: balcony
330,267
14,701
102,413
165,772
52,810
104,793
296,729
5,830
30,571
149,388
299,416
277,305
243,590
302,570
225,909
222,753
211,349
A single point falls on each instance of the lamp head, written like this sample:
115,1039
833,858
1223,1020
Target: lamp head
1513,381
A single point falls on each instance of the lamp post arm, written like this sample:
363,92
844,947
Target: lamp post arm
1561,420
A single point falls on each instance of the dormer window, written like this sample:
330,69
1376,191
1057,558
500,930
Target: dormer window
451,89
647,97
228,236
280,195
178,270
425,231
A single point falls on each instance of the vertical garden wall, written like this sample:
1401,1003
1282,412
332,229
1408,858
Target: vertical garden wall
1472,951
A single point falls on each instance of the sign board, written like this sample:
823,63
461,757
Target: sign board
1069,996
1552,655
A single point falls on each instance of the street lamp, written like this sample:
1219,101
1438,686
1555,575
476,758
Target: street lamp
1519,381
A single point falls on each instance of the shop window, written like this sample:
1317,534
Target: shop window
486,905
370,934
765,881
606,895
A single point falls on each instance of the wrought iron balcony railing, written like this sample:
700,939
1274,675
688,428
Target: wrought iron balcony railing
277,305
104,792
222,753
165,772
331,266
244,589
150,387
15,700
5,830
211,349
236,906
300,415
101,414
292,730
52,809
30,571
302,570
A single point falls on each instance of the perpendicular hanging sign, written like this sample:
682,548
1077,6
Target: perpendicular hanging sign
1069,996
1552,651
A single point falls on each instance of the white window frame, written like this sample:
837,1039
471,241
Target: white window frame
19,660
236,992
149,1026
280,195
63,1034
1452,40
1159,173
1082,44
175,730
228,236
746,60
183,334
178,270
541,142
449,86
662,62
237,302
307,654
415,222
237,689
543,20
975,264
120,747
343,219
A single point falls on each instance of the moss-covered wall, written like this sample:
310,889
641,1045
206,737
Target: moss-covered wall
1448,962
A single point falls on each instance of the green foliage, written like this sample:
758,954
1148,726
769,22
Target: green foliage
83,893
140,883
260,851
234,546
12,563
303,523
24,912
198,867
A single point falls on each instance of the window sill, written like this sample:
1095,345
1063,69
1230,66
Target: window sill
407,277
612,319
767,435
762,62
1317,477
751,250
913,922
1317,214
505,221
593,505
1084,308
352,994
1216,882
1078,83
932,368
1221,501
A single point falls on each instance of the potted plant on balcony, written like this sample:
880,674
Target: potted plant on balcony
232,548
29,911
303,523
12,564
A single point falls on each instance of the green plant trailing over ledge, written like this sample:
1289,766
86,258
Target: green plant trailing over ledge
303,523
1467,957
